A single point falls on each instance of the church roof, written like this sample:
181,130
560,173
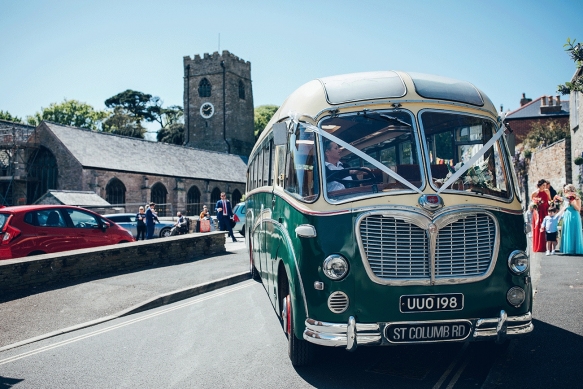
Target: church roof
114,152
72,197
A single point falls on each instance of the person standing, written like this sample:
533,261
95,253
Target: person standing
541,198
141,226
225,214
151,219
550,226
571,239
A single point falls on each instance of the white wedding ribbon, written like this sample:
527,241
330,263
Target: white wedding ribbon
349,147
472,160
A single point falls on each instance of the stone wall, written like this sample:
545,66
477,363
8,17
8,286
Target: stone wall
551,163
69,266
576,117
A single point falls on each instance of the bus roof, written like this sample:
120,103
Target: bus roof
328,92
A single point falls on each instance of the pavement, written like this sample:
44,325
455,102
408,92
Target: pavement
44,313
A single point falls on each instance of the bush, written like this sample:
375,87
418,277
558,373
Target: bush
578,161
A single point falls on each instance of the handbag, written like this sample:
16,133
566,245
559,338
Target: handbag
205,225
233,222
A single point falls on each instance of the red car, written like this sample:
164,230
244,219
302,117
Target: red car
39,229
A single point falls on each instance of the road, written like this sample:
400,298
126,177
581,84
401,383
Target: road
227,338
232,338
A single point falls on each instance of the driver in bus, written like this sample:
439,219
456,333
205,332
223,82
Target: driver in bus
337,176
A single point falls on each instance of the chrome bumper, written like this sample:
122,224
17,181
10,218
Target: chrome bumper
352,334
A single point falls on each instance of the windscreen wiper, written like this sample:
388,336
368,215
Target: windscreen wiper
377,116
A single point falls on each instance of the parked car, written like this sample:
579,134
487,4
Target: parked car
128,221
39,229
239,217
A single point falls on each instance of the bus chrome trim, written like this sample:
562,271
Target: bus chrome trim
349,335
306,231
424,258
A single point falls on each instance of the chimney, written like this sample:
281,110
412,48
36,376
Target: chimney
551,101
550,106
543,100
558,100
524,100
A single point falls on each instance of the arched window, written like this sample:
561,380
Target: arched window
42,174
158,196
193,206
241,90
204,88
115,192
236,196
215,196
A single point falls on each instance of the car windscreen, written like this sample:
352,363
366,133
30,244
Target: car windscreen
3,218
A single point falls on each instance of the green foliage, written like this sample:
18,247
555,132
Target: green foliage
122,122
5,115
69,113
136,104
544,135
263,115
576,53
173,134
578,161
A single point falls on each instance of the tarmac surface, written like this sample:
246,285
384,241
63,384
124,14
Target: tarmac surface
64,308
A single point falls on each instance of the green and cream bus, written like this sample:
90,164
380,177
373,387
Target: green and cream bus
382,209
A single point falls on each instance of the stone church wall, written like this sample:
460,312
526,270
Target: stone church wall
551,164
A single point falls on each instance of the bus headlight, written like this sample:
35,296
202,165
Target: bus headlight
518,262
515,296
335,267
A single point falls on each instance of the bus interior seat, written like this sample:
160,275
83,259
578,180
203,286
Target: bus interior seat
439,171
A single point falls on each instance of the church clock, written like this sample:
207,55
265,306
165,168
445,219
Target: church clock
207,110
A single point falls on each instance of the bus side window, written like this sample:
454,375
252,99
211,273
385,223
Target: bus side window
301,177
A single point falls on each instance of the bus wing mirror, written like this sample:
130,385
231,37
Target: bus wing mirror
280,134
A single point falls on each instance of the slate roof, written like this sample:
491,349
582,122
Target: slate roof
114,152
532,111
74,197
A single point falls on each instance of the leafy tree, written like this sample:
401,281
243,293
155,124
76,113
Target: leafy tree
173,133
263,115
576,53
545,134
122,122
5,115
135,104
70,113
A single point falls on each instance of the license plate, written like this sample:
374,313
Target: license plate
431,302
419,332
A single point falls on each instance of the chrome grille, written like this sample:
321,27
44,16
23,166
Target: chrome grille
397,249
464,247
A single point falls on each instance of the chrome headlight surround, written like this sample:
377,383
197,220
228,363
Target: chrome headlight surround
518,262
335,267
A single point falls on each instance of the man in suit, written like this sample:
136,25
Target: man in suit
224,215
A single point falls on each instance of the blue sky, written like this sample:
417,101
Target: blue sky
91,50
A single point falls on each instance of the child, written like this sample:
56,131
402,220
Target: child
550,224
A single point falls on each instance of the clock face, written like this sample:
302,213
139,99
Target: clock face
207,110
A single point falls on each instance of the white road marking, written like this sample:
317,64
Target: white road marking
195,300
450,368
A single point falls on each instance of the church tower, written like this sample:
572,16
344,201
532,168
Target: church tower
218,103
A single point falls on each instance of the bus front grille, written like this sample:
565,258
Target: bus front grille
397,249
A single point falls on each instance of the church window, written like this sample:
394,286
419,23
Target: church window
42,174
215,196
193,206
204,88
236,196
158,197
241,90
115,192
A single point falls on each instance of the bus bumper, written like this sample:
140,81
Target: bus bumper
352,334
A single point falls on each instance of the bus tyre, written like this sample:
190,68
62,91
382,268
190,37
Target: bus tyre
252,269
300,351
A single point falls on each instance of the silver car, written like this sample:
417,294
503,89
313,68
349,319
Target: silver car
128,221
239,216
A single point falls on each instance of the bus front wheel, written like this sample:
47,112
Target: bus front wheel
252,269
300,351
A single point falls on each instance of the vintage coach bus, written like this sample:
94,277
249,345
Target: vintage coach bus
382,209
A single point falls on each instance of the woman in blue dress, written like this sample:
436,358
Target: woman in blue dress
572,238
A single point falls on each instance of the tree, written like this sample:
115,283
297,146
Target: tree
70,113
5,115
135,104
576,54
173,134
545,134
263,115
122,122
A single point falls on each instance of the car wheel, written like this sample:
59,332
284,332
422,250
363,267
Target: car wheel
242,232
165,232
